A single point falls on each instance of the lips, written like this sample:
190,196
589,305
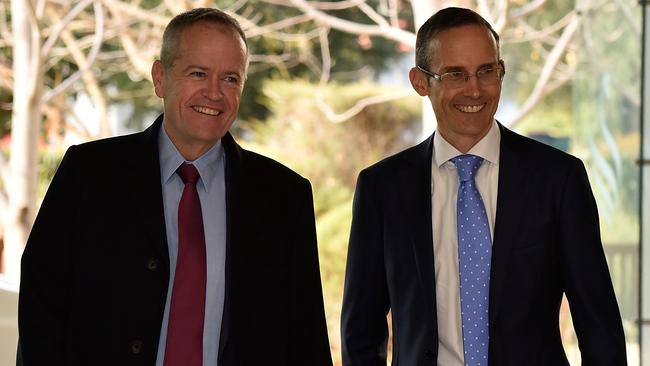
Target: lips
469,108
206,110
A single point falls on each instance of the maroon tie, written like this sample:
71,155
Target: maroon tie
185,330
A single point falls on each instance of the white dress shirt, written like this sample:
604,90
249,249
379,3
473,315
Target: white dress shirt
444,188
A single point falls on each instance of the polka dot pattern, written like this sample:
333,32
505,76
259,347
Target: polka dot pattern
474,256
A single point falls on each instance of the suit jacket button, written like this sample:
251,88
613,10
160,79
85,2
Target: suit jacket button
152,264
136,346
429,355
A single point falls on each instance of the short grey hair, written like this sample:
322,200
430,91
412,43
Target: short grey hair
179,23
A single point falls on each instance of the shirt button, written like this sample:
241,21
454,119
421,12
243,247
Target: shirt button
152,264
136,346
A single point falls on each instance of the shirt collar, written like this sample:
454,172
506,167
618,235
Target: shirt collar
170,159
487,148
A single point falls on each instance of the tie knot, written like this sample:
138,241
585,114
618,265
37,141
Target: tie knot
188,173
467,165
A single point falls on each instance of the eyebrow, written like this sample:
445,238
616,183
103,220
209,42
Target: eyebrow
195,67
204,68
461,68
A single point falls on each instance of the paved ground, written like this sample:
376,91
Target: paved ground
8,322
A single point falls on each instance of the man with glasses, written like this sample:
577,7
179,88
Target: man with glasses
471,238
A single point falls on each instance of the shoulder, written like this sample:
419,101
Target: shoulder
114,147
264,167
261,172
413,159
533,152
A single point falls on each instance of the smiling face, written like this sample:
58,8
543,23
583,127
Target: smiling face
464,114
202,89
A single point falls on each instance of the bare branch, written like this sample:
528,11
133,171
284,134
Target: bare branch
547,71
544,33
88,62
393,12
135,13
501,17
387,32
634,23
35,40
39,9
92,86
373,15
174,6
334,117
325,55
235,6
58,28
253,30
527,9
323,5
141,64
484,10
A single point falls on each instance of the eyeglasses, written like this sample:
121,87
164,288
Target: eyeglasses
486,76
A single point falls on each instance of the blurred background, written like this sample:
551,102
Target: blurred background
328,94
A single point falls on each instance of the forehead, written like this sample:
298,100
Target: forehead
467,46
211,41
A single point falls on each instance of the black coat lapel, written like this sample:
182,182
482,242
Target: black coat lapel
418,206
238,204
142,182
510,211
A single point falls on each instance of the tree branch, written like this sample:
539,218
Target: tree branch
87,62
92,86
527,9
373,15
544,33
387,32
547,71
141,64
253,30
325,55
334,117
60,26
133,13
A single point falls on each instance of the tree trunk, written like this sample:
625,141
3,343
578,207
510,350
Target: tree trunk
25,123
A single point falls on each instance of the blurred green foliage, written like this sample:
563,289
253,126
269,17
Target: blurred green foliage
331,155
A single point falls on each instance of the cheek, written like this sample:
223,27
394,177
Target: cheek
234,98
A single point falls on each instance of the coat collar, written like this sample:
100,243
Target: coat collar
142,181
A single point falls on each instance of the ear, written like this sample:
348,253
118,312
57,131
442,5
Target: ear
157,75
419,81
503,67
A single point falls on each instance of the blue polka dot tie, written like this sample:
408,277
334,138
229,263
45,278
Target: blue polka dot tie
474,254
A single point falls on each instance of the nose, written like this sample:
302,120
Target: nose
472,88
213,90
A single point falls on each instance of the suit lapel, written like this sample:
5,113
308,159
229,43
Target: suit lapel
145,190
418,206
510,210
239,223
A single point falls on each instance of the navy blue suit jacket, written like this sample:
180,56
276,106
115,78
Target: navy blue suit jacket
546,243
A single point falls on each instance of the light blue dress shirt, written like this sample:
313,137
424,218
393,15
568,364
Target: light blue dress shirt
212,193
